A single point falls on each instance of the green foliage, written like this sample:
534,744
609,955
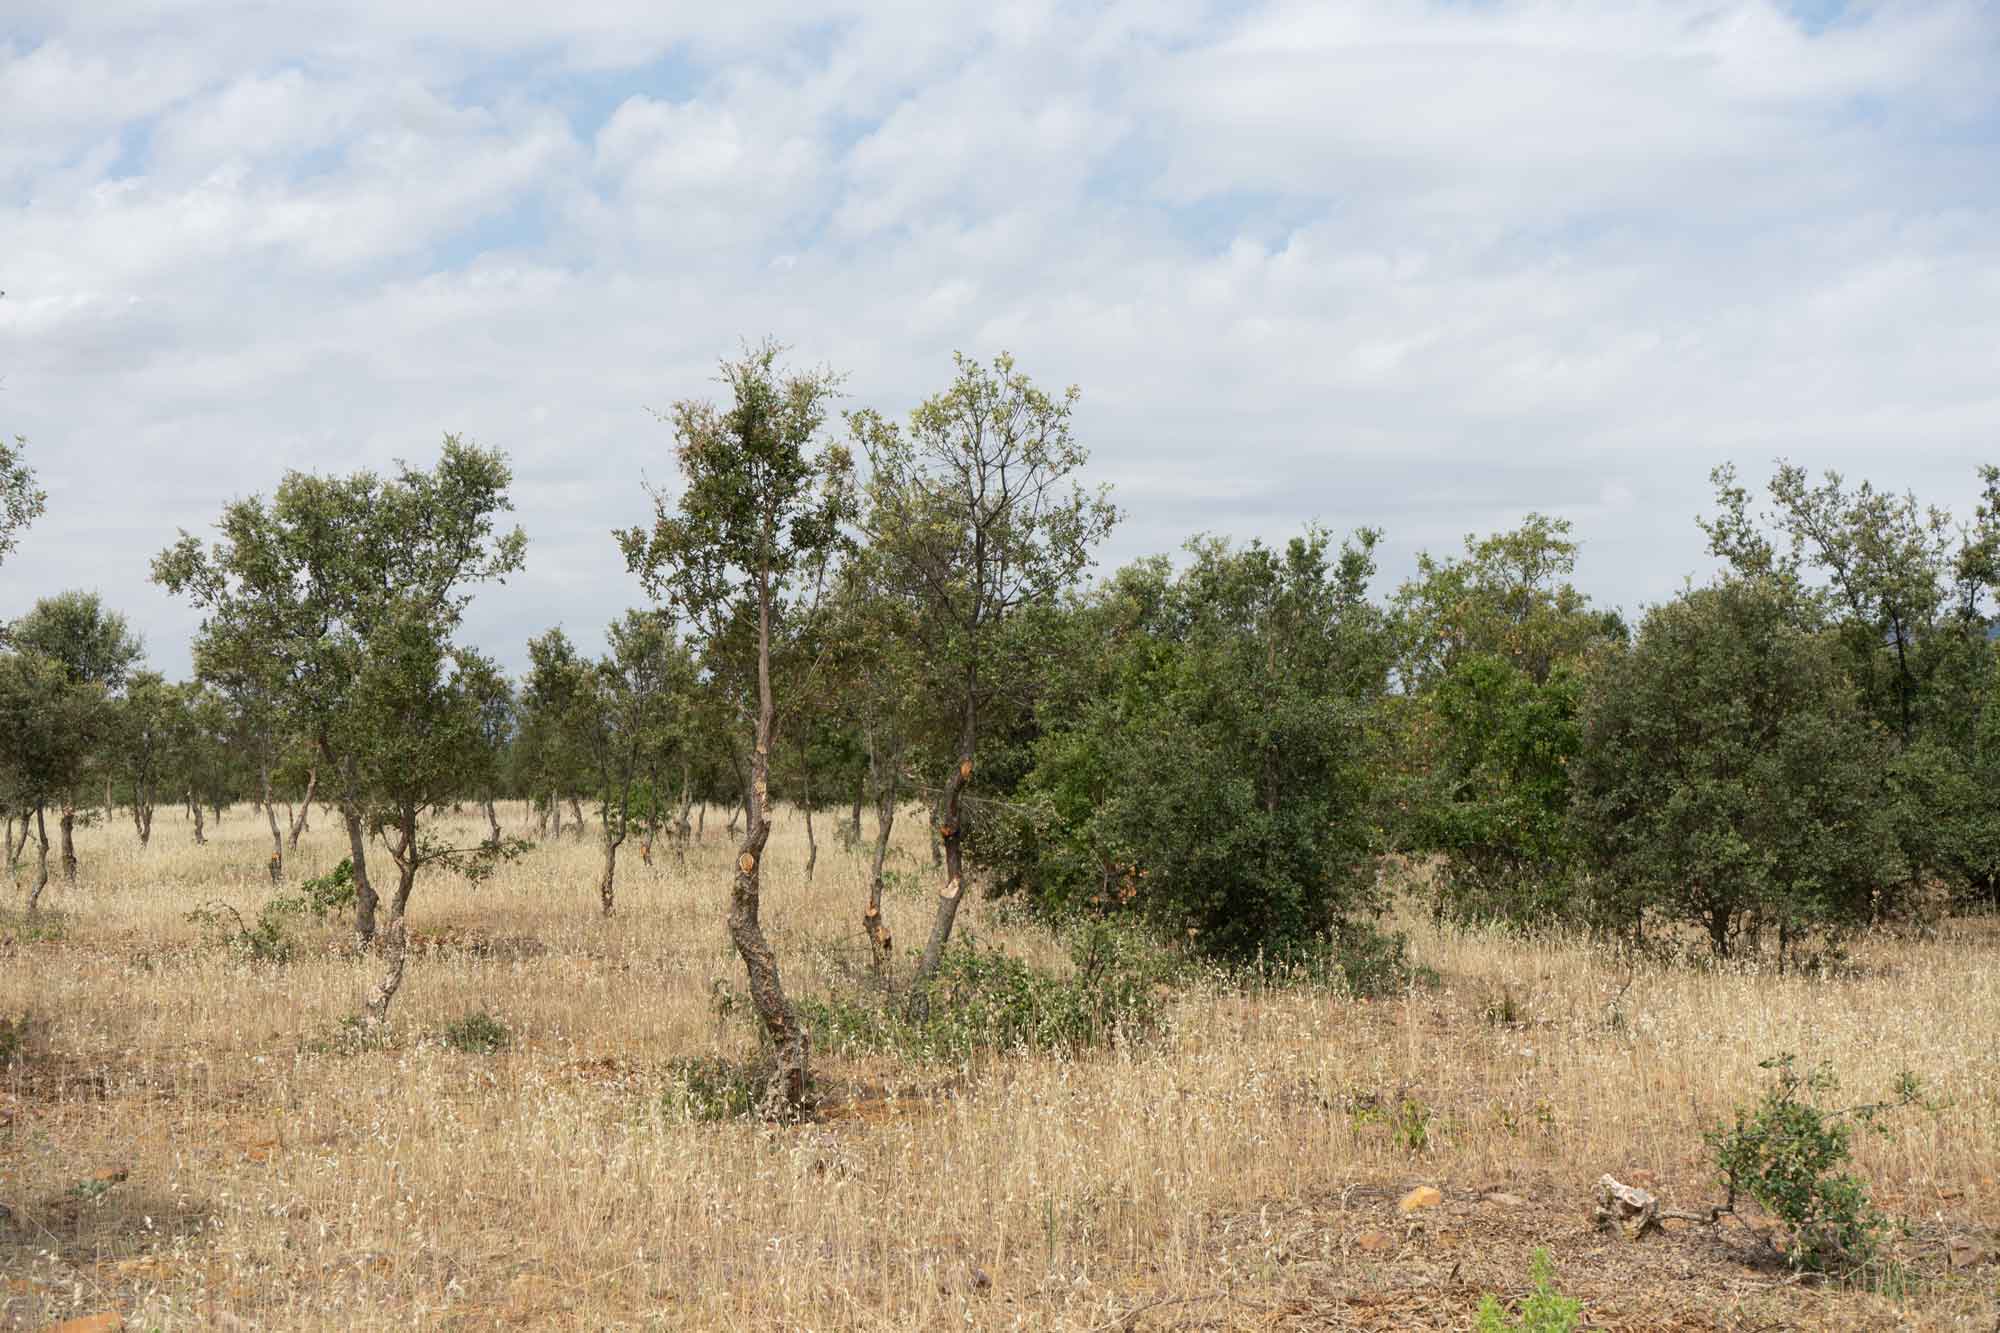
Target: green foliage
706,1089
477,1033
1787,1154
23,1039
1354,958
1727,777
1202,763
326,894
1485,788
1544,1311
21,501
985,1001
268,941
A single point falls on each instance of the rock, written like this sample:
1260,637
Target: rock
1502,1199
1962,1253
1423,1196
1374,1242
111,1175
108,1322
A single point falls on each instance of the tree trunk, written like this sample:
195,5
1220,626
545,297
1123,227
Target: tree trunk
492,821
41,858
951,832
789,1041
683,829
68,844
576,814
606,891
395,944
15,849
880,942
555,808
812,843
271,817
200,824
541,810
305,806
854,817
701,823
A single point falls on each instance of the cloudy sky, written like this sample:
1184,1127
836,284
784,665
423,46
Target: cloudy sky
1425,266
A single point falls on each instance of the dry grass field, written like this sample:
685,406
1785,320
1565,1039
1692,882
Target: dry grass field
188,1141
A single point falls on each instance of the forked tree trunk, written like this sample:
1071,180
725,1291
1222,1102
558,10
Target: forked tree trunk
395,935
606,883
298,825
492,821
357,856
880,942
271,817
951,833
69,844
41,858
576,814
200,824
142,817
767,992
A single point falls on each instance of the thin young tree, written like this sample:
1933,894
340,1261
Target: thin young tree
94,647
330,565
761,506
975,513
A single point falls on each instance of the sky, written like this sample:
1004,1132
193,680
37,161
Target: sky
1422,266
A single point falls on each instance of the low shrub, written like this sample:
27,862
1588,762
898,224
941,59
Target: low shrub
985,1000
478,1033
1787,1154
1545,1311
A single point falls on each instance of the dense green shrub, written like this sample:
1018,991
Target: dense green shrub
1202,761
1727,777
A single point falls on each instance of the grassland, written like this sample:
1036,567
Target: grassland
190,1138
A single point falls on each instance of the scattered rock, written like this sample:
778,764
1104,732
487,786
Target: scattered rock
108,1322
1423,1196
1502,1199
1374,1242
1962,1253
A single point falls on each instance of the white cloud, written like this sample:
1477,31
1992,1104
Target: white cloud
1414,264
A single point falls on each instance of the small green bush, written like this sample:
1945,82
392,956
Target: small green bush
985,1000
1786,1155
478,1033
1353,957
223,927
708,1089
22,1039
1545,1311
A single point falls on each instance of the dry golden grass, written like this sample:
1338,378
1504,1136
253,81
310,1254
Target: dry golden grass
1240,1170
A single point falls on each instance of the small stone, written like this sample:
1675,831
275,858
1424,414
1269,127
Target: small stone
1423,1196
108,1322
1501,1199
1374,1242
